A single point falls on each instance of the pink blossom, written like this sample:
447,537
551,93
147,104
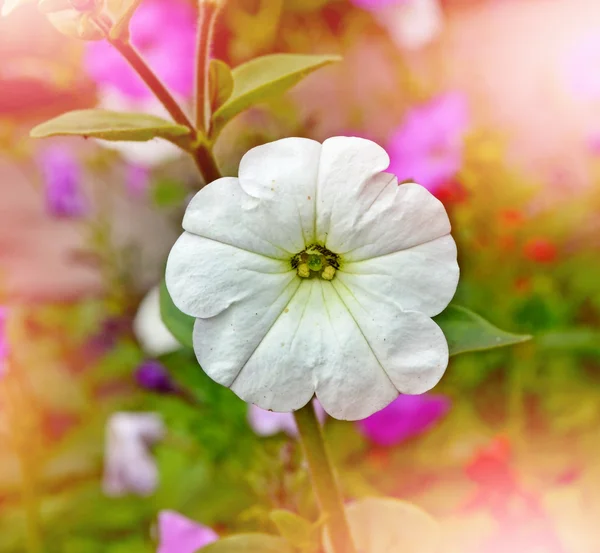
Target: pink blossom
164,32
376,4
269,423
179,534
404,418
428,146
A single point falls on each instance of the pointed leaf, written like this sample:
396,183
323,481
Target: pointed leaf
263,78
178,323
467,331
248,543
220,81
11,5
110,125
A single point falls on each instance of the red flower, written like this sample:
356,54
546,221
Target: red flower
540,250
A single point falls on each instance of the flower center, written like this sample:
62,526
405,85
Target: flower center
316,260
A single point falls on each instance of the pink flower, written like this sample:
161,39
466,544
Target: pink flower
179,534
376,4
4,349
428,146
164,31
268,423
62,176
404,418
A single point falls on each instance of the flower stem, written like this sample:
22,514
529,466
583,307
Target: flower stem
206,22
200,150
324,479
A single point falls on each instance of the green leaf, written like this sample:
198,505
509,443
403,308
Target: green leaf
467,331
263,78
385,525
578,340
168,193
178,323
220,82
296,530
10,6
110,125
248,543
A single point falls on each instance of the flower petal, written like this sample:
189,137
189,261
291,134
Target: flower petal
381,218
205,277
314,345
285,172
223,211
347,163
422,278
408,345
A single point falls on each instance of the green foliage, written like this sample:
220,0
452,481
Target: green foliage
220,82
180,324
110,125
263,78
467,331
297,531
168,192
249,543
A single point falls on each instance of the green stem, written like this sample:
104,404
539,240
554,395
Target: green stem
206,22
200,150
324,479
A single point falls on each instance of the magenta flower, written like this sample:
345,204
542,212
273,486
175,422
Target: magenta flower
137,180
268,423
179,534
404,418
62,175
4,349
428,147
164,31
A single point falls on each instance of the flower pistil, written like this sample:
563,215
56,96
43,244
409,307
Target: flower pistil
316,260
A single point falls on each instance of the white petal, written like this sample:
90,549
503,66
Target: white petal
152,334
382,217
347,163
205,277
285,172
409,346
422,278
222,211
314,345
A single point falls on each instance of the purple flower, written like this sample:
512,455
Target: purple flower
405,417
4,348
268,423
164,31
179,534
428,146
62,176
153,375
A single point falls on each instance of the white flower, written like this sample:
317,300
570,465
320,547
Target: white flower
154,337
314,272
146,154
129,466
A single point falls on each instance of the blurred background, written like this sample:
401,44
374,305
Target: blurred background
494,105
